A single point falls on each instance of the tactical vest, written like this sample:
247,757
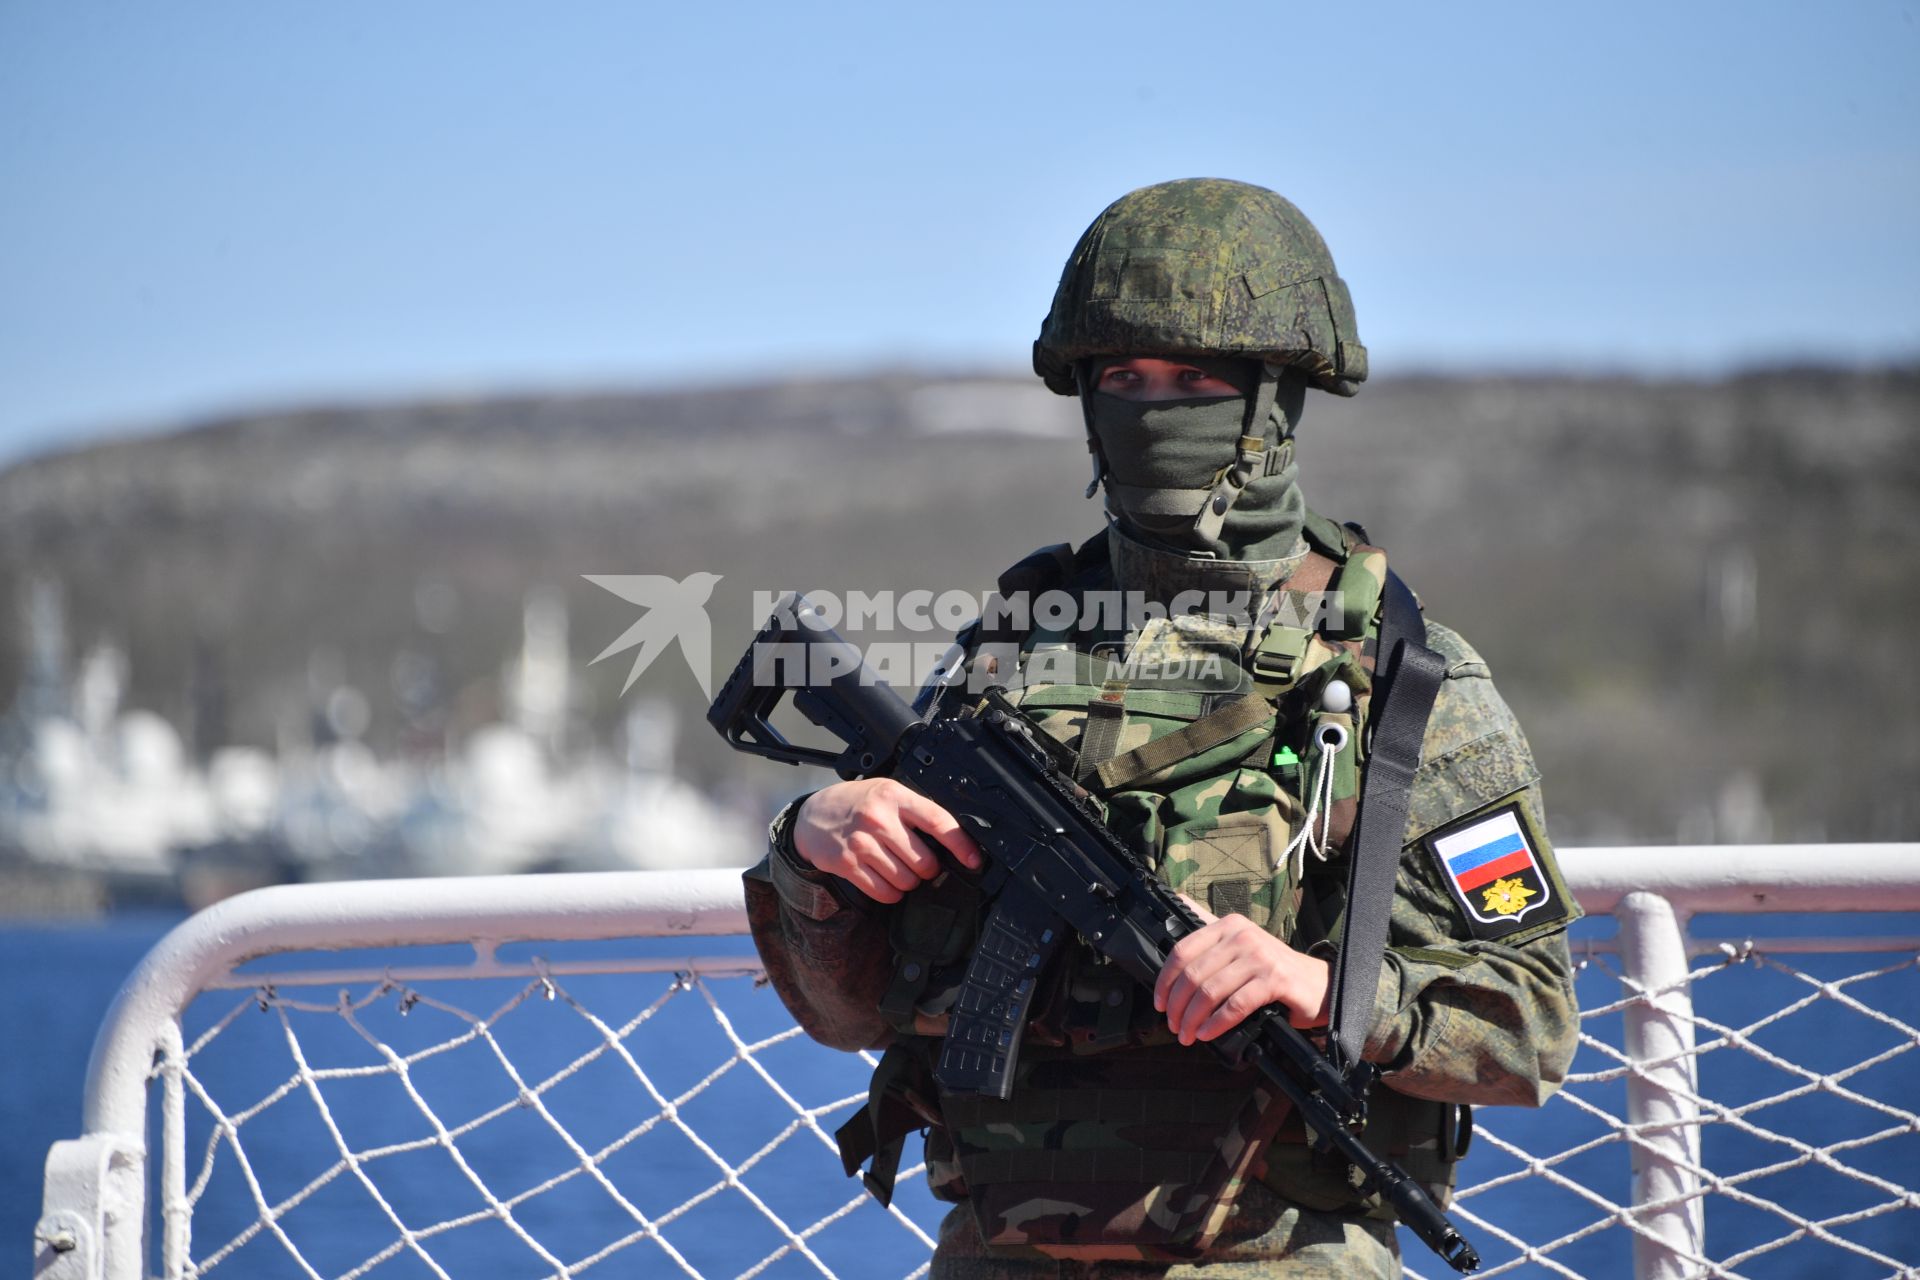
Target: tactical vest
1116,1140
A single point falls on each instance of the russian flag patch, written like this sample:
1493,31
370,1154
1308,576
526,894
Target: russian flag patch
1492,866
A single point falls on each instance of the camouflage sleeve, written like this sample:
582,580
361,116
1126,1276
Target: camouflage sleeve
829,963
1467,1011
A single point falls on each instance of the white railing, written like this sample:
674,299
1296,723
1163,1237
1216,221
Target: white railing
621,1099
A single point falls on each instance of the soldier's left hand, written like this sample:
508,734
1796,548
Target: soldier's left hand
1224,971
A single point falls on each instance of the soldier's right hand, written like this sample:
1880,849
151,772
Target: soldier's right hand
880,836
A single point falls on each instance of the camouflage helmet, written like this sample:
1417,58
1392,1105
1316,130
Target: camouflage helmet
1203,267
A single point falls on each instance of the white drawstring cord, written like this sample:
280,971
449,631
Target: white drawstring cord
1330,739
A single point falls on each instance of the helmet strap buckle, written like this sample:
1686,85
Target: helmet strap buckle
1250,459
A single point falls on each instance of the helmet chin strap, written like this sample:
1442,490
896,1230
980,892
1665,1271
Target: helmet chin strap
1250,460
1081,380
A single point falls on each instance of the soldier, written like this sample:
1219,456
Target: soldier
1191,321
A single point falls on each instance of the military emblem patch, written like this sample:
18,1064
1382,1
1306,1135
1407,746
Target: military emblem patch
1491,867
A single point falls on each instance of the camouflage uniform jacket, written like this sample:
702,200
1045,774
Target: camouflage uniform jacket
1459,1017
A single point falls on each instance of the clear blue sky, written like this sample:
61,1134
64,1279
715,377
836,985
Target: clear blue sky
225,205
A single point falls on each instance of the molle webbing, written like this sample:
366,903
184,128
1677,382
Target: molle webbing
1184,1125
1106,722
1203,734
1069,1168
1036,1105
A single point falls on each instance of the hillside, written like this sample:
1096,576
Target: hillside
1698,595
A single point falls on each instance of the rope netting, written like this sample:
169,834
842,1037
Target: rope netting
1806,1156
533,1136
679,1124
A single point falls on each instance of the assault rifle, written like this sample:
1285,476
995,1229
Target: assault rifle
1052,866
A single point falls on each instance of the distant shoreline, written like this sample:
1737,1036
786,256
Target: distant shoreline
33,893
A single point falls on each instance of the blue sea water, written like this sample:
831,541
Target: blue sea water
58,980
62,977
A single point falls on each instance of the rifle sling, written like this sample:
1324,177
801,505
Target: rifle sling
1413,673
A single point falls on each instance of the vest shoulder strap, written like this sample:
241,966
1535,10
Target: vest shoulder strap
1050,567
1327,537
1038,570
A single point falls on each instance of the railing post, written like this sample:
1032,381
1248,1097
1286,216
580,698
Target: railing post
1661,1091
94,1224
176,1222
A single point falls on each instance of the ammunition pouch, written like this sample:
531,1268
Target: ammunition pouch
1097,1157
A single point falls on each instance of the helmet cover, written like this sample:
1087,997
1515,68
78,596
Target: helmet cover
1203,267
